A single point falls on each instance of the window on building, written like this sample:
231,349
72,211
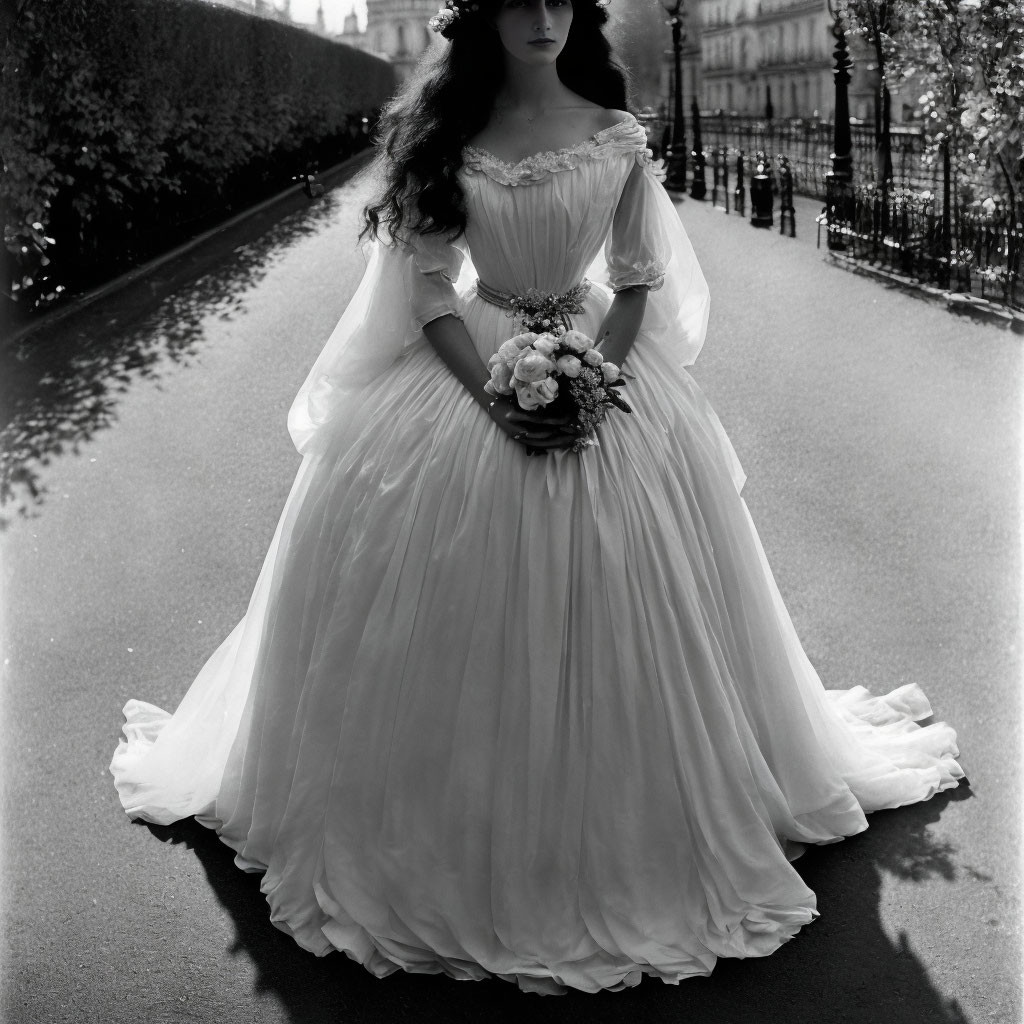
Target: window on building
401,39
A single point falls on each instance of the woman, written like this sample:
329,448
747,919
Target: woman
543,718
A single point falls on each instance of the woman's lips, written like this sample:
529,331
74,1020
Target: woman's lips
541,42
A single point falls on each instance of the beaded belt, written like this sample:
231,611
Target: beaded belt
538,311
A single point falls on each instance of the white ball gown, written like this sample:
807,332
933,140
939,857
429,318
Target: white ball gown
543,718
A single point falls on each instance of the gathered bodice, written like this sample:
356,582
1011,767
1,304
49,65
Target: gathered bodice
540,222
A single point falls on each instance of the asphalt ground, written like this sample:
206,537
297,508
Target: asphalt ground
881,438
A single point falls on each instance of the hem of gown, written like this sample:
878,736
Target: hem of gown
758,931
925,765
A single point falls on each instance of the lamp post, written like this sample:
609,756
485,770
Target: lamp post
675,159
839,181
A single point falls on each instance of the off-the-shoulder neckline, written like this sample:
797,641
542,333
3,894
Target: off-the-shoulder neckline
590,140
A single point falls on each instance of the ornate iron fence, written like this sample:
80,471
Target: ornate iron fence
977,252
928,225
807,145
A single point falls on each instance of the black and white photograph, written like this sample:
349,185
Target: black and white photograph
523,493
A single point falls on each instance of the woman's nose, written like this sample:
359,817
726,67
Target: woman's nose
540,14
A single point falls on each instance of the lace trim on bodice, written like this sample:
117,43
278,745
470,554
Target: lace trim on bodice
625,135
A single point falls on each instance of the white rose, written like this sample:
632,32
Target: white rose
524,340
610,372
533,367
508,351
577,341
547,389
501,379
545,344
592,357
569,365
537,394
968,119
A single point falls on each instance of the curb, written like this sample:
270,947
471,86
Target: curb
330,178
957,302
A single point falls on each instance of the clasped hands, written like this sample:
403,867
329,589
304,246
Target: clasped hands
539,432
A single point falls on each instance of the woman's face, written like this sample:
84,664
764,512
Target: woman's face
522,24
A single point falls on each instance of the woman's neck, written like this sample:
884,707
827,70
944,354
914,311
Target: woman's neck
531,90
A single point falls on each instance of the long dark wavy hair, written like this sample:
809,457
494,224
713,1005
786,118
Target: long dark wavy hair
449,99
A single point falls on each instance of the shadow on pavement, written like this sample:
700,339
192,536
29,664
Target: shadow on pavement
843,968
61,389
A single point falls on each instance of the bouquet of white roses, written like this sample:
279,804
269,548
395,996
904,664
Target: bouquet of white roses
560,373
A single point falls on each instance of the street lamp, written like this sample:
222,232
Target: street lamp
839,181
675,158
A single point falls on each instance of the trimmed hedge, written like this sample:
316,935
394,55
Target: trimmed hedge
127,126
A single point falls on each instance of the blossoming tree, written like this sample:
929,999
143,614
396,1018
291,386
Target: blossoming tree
970,55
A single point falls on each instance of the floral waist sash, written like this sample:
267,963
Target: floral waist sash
538,311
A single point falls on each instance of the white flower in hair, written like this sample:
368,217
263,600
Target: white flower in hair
447,16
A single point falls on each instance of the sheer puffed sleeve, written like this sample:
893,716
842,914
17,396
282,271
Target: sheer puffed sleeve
648,246
433,271
406,284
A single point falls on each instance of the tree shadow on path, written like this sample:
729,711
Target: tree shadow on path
842,969
61,388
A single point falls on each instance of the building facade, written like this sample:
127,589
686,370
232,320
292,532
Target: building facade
766,56
775,58
395,30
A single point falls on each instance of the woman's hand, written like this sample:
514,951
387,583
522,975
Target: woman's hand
536,431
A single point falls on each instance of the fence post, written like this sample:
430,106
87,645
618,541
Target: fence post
945,230
787,212
698,187
725,176
740,192
761,200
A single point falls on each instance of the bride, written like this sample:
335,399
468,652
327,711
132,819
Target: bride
541,718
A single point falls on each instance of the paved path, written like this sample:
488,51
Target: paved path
880,434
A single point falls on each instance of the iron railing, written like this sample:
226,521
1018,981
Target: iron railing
807,145
977,253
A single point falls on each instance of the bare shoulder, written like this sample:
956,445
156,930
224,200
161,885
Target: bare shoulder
599,117
604,117
610,118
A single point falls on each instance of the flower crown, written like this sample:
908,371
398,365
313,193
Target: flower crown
447,17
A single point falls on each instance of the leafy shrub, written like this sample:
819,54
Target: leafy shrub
124,124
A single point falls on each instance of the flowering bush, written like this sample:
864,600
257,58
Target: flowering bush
970,55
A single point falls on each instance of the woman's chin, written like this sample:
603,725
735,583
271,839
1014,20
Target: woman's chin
534,55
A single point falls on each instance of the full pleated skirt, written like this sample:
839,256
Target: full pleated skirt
540,718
